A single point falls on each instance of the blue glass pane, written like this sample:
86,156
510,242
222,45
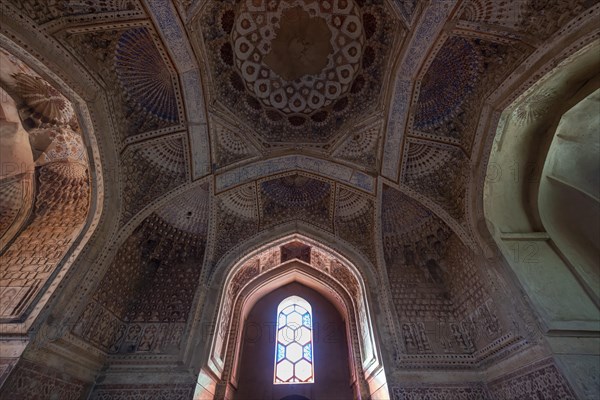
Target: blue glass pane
306,320
280,352
308,352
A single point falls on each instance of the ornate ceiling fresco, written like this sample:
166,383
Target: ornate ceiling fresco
215,127
296,72
161,262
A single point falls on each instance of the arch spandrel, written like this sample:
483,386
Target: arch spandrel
286,232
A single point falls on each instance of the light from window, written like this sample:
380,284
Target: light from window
294,348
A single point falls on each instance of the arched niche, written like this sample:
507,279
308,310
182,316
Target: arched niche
294,258
58,204
51,209
569,191
536,195
16,171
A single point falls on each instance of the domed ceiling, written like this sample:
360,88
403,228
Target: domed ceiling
221,125
297,72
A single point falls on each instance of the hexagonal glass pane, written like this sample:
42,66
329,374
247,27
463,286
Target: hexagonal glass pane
294,320
286,335
301,310
303,370
288,310
302,335
285,370
293,352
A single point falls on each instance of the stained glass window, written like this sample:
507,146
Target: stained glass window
294,348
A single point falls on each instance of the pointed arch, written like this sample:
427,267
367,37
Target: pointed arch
264,270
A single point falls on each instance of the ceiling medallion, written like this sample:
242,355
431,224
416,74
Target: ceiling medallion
301,45
297,71
298,56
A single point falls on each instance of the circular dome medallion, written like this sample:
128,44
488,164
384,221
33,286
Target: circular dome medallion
298,56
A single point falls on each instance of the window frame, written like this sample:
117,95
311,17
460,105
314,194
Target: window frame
294,301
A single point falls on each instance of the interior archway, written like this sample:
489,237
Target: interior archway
293,259
214,171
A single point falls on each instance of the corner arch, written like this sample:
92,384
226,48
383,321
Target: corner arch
89,170
515,203
511,227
